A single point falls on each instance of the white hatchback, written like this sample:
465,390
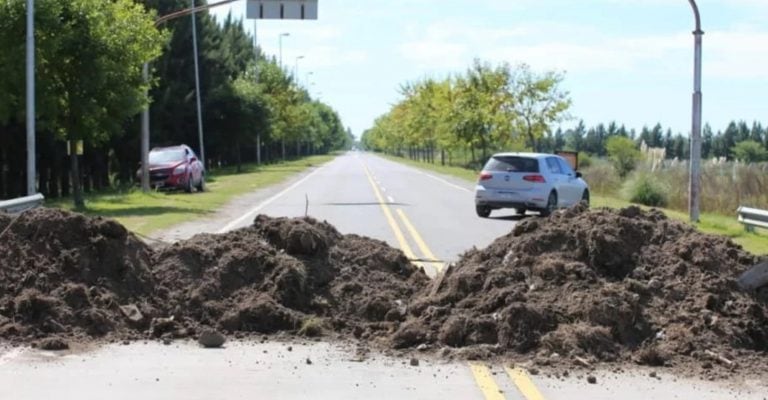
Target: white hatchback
528,181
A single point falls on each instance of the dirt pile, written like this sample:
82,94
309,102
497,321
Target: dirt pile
295,275
602,285
599,285
64,273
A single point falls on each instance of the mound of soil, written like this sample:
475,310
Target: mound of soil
64,273
603,285
592,286
295,275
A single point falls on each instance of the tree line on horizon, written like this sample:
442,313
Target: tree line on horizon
89,88
513,108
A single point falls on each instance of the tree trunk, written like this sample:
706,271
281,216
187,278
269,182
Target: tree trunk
2,172
238,157
282,143
442,156
77,191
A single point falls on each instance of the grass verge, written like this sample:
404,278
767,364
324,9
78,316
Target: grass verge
145,213
718,224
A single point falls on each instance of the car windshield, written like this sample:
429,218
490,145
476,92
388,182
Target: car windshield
512,164
166,156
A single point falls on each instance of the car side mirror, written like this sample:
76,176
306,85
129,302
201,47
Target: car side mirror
578,174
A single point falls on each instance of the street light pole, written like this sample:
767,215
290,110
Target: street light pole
31,172
145,135
296,69
197,88
280,39
695,171
256,79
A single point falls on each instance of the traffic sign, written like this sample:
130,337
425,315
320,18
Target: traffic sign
281,9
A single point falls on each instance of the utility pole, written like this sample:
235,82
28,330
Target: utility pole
31,156
145,136
197,88
694,187
256,79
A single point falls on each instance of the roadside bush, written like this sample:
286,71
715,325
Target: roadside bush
645,189
602,178
585,160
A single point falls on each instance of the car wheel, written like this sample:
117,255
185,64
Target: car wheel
585,197
188,186
551,205
201,185
483,211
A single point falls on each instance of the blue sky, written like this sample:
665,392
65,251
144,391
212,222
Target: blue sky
625,60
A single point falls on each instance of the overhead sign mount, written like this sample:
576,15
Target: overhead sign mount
281,9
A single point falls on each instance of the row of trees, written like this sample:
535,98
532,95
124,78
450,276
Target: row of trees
738,141
513,108
89,87
485,109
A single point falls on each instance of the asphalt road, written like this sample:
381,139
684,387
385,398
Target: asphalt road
432,219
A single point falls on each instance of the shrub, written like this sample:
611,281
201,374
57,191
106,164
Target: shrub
602,178
585,160
623,153
645,189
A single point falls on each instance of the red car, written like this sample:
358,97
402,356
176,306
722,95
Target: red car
175,167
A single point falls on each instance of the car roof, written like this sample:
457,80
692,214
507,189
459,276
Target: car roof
523,154
179,147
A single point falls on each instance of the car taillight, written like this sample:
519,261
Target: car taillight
484,176
534,178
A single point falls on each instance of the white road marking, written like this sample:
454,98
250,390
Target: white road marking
391,200
446,182
253,211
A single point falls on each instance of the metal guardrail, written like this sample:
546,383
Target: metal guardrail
752,217
22,203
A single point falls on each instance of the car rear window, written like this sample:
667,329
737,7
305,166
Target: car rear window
165,156
512,164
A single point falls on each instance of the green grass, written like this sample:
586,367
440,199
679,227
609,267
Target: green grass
146,213
718,224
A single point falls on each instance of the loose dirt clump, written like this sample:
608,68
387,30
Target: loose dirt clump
65,273
601,285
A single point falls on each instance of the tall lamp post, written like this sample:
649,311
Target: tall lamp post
197,87
31,173
694,186
296,69
280,40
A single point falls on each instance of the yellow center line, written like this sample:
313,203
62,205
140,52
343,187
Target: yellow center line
390,219
419,241
524,384
484,380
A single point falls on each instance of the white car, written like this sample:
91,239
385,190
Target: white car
528,181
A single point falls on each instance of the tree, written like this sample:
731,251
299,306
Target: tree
538,102
749,151
90,58
623,154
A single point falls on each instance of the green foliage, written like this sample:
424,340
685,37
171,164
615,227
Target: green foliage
538,103
623,153
645,189
487,108
749,151
585,160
